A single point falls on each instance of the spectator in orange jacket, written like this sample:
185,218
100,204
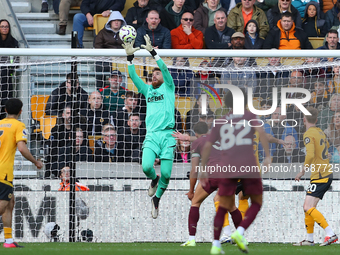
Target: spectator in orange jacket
65,181
185,36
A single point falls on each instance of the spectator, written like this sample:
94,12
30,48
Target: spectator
207,118
182,77
218,36
88,9
172,14
204,15
44,6
252,39
312,23
289,153
265,104
130,139
204,78
296,80
160,36
327,5
65,181
192,4
183,154
136,15
313,73
325,116
186,36
63,95
334,83
247,9
295,38
331,16
64,9
333,130
194,114
283,6
108,37
105,150
113,96
274,77
95,115
228,5
238,76
332,41
320,96
6,72
302,5
178,121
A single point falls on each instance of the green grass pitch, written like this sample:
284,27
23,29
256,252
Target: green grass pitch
163,249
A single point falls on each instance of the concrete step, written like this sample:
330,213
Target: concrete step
61,68
46,80
39,28
37,16
21,6
48,90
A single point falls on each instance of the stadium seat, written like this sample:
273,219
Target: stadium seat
98,23
46,124
183,105
92,139
316,41
38,104
127,6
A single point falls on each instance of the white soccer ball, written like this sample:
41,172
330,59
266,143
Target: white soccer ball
127,33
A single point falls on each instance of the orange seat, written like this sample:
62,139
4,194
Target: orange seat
98,23
38,105
92,139
46,124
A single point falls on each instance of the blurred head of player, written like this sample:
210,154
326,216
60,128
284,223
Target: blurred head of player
200,128
289,145
229,99
13,107
157,78
311,119
95,100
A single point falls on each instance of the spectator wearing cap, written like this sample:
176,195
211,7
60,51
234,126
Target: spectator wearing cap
286,36
185,36
218,36
245,11
172,14
114,95
105,149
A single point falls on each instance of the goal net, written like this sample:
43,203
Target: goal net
83,111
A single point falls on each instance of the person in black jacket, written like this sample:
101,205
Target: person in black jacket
312,23
136,15
172,13
289,153
130,140
218,36
63,95
88,9
252,39
106,149
95,115
274,14
6,72
295,38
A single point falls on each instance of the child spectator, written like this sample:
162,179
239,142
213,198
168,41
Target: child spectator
312,23
252,39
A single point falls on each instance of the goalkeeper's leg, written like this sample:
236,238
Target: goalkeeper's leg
148,161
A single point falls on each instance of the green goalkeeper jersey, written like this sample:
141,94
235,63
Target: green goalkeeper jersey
160,102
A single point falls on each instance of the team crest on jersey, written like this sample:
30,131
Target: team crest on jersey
307,140
1,132
122,96
101,120
25,132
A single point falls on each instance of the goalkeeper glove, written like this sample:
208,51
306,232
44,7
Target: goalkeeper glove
129,49
148,45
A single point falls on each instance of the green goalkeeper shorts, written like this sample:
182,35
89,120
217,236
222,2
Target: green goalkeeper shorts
162,143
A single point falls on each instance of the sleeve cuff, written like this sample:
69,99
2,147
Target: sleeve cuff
157,57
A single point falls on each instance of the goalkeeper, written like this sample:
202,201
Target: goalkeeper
160,121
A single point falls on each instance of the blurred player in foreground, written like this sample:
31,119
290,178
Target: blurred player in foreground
236,141
320,180
160,122
13,135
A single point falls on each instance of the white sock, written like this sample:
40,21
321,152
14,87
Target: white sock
9,240
310,237
217,243
329,231
226,230
241,230
191,238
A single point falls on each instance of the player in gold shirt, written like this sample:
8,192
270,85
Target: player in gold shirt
321,179
13,135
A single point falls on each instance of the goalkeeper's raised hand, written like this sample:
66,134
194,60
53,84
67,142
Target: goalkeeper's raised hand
129,49
148,45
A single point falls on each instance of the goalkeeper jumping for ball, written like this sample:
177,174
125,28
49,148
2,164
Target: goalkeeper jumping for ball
160,121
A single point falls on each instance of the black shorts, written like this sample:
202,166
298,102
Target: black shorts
316,189
6,192
239,188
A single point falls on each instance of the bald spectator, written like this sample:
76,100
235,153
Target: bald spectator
245,11
218,36
160,36
332,41
204,15
296,80
294,38
136,15
186,36
172,14
289,153
95,115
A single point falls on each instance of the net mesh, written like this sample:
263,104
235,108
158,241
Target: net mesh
112,200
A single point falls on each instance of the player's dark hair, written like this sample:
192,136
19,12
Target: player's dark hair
13,106
156,69
314,115
229,99
201,128
287,14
